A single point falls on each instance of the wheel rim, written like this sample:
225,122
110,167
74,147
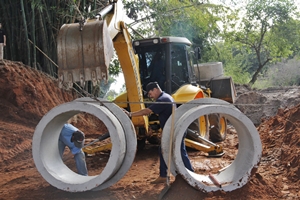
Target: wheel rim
223,127
203,128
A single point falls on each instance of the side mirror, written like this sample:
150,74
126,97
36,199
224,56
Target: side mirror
198,53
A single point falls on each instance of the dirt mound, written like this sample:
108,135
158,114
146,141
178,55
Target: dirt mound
26,95
281,139
260,104
278,176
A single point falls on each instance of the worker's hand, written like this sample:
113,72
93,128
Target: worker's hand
126,112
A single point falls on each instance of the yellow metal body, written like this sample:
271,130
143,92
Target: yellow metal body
129,63
187,93
121,100
93,150
211,150
223,126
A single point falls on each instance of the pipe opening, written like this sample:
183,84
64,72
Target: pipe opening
46,154
232,175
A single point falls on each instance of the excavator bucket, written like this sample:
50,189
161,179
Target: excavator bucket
84,52
222,88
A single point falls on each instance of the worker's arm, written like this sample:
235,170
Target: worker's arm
145,111
4,40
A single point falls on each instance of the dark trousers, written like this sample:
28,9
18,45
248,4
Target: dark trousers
163,167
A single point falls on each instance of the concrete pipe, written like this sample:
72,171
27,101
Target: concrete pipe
45,147
249,152
130,140
208,70
179,112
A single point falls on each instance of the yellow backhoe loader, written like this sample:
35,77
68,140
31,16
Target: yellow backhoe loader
86,48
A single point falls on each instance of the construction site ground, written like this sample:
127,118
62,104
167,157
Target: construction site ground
26,95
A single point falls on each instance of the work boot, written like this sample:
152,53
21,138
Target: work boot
159,180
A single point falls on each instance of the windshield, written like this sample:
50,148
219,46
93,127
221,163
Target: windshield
152,65
166,63
179,66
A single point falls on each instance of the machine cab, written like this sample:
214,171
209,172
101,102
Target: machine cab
164,60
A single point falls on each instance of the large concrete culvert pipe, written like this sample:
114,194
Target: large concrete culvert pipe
249,152
45,146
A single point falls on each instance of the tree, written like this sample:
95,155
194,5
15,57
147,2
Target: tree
260,33
197,21
235,60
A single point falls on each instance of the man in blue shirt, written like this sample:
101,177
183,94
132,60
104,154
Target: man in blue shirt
163,111
73,138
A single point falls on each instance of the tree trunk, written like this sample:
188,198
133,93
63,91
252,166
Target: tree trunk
4,10
44,39
26,33
51,45
255,75
33,35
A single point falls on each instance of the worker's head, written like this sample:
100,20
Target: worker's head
153,90
78,139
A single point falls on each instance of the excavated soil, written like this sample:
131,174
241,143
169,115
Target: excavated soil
26,95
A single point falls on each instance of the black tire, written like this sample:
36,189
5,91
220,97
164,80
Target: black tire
141,144
193,129
218,128
153,140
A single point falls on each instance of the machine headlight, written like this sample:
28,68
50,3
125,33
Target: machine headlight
155,41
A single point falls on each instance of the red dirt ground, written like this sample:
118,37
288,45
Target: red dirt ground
26,95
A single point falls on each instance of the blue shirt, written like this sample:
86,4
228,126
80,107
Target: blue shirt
66,135
162,110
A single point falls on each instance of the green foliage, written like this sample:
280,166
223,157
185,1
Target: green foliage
114,67
191,19
197,21
280,74
259,31
103,87
111,95
134,7
234,61
287,34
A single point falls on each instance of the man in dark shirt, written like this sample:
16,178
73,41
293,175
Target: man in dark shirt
163,111
2,41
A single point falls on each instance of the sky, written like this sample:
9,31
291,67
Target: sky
117,85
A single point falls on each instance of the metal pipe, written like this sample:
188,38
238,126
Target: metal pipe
106,10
